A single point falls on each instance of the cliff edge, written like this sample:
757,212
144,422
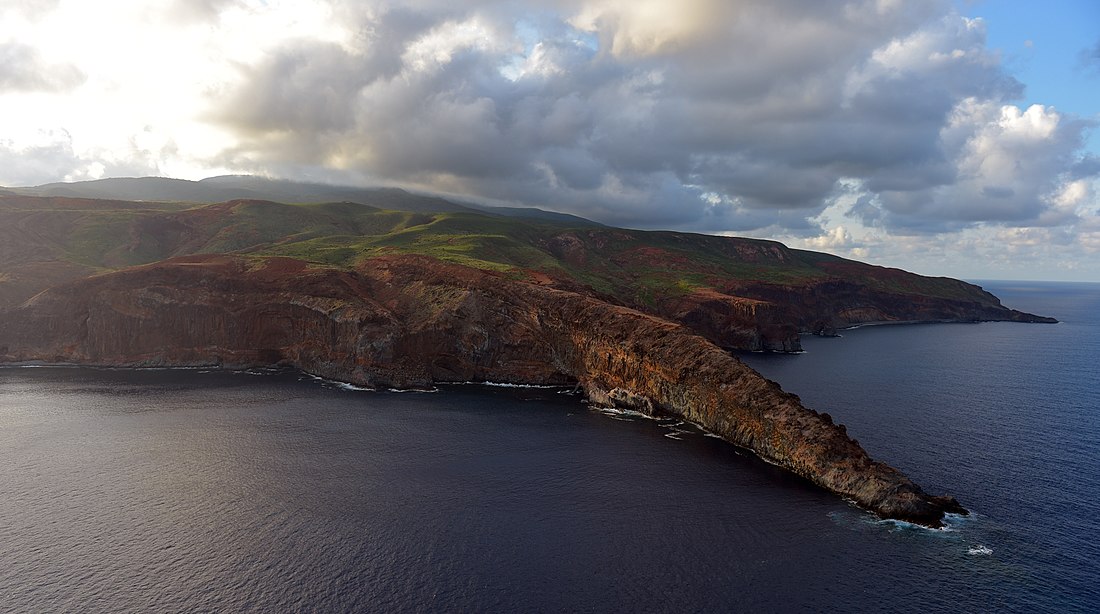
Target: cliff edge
410,321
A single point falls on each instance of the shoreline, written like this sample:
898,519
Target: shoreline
619,400
940,321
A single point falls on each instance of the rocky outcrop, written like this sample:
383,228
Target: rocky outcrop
735,322
410,321
770,317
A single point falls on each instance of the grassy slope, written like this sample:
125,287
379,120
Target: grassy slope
636,267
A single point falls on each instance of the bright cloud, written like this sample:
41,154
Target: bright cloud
649,27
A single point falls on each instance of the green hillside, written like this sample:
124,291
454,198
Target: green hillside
633,267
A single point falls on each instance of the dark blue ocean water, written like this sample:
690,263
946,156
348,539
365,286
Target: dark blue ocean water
1005,416
186,490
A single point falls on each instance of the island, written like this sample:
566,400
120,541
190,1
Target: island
397,290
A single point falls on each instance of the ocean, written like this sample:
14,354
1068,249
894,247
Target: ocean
261,491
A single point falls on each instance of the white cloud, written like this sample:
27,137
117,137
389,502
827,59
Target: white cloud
22,68
837,238
138,76
48,156
437,47
1089,235
648,27
1011,166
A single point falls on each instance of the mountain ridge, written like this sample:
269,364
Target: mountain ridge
233,187
410,321
363,293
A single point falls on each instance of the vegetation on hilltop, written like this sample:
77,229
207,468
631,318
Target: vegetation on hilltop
649,270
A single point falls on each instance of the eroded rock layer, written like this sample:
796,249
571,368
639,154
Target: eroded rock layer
411,321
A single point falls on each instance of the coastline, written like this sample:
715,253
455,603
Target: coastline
1044,320
411,323
855,488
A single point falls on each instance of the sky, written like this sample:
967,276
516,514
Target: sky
957,138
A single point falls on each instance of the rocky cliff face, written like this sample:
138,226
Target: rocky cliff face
738,293
770,317
410,321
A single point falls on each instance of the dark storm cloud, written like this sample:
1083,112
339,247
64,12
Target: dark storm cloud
22,68
710,115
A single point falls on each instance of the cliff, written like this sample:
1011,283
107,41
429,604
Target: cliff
436,292
409,321
770,316
738,293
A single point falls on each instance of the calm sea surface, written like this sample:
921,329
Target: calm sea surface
198,491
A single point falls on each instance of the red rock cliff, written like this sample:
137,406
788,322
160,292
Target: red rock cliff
410,321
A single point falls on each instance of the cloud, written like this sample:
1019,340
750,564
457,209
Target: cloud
29,7
597,107
1089,233
50,157
785,118
838,237
1090,58
48,160
651,27
1010,167
22,68
198,10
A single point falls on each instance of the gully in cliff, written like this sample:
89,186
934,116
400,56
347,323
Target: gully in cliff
408,321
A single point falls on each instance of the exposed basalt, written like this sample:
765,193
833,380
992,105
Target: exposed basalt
410,321
735,322
770,317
